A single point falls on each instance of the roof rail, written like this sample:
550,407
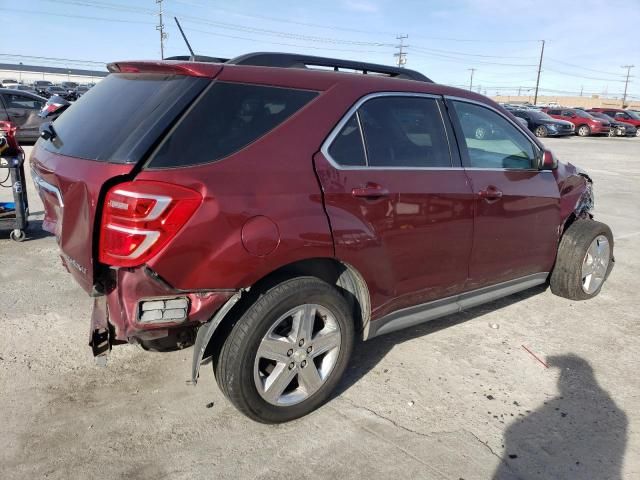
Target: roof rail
294,60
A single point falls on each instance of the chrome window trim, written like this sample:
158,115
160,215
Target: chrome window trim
519,127
324,149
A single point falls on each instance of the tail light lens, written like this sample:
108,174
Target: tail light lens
139,218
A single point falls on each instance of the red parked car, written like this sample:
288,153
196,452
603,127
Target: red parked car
585,124
621,115
268,212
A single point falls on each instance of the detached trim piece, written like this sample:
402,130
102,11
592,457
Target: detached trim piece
439,308
205,332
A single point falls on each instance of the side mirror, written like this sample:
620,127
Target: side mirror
548,160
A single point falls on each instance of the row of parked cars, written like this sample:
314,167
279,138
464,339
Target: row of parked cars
68,90
557,121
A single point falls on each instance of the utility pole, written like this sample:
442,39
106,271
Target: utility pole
535,97
401,55
472,70
626,83
519,88
581,89
160,28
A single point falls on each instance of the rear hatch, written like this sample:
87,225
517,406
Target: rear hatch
100,140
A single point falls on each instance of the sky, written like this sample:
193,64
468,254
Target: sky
587,41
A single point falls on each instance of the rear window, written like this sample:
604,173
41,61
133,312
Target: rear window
226,119
122,117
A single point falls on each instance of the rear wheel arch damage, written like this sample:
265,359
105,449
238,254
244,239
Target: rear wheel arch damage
346,279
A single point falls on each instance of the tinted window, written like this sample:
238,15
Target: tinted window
554,112
226,119
122,117
404,132
492,141
347,147
520,114
22,101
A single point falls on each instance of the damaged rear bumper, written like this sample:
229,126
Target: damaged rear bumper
141,308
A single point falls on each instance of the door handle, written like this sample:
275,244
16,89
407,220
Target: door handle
490,193
370,191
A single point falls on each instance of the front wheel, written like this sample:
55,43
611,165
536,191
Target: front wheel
638,131
540,131
584,130
613,132
287,352
584,261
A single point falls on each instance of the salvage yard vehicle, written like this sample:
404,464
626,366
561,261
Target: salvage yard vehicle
22,109
269,209
621,115
585,124
542,125
618,129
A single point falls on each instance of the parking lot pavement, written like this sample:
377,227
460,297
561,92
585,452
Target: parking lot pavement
452,399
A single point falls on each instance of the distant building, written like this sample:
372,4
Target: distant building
27,74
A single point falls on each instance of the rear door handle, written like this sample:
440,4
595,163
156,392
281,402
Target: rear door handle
490,193
370,191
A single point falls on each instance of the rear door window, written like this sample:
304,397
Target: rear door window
123,116
227,118
404,132
22,102
347,148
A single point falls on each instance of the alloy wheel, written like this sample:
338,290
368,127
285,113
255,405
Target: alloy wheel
595,264
297,355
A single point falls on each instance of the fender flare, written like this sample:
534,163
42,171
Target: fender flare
206,331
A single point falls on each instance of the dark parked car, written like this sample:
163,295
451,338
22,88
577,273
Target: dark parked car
56,90
542,125
22,108
40,86
81,90
584,123
627,116
618,129
269,215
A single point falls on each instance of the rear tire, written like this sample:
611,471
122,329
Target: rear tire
584,261
287,352
584,130
613,132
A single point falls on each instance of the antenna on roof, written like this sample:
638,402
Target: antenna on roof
193,55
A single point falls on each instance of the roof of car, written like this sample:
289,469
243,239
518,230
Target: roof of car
14,91
302,71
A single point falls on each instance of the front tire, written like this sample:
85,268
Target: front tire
584,261
287,352
541,131
584,130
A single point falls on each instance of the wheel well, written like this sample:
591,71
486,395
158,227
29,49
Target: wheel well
344,277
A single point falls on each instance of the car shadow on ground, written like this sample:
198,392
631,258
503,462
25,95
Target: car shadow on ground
580,433
366,355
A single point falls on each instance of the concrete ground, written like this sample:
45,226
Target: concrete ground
453,399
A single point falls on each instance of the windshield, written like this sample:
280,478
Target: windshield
633,114
583,114
600,115
56,89
537,115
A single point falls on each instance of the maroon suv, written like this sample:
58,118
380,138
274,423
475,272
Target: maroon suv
269,212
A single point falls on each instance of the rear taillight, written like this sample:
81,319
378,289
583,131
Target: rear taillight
139,218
